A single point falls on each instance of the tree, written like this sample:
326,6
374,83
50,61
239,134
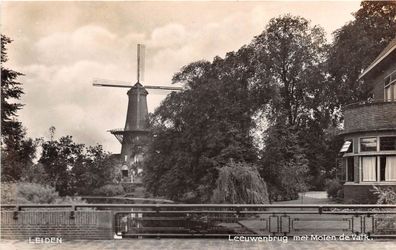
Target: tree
17,157
10,90
284,166
96,170
356,45
290,56
17,151
59,157
240,184
74,168
197,131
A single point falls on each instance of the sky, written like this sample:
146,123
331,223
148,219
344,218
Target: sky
62,46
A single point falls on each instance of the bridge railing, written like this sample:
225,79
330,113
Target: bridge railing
206,220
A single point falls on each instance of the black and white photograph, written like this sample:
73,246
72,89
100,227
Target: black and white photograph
198,125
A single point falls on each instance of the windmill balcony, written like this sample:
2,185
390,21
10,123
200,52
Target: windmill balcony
369,117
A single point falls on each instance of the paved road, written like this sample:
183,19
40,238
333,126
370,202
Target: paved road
200,244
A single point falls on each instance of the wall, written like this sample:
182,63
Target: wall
85,225
369,117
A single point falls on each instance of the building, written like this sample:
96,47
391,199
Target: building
134,137
369,150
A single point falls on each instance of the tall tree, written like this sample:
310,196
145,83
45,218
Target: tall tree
356,45
198,131
11,90
17,151
290,56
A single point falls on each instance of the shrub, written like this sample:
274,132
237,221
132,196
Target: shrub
109,190
334,189
8,193
385,195
27,193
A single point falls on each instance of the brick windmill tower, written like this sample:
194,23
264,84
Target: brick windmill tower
134,136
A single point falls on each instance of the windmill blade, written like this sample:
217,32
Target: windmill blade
163,87
140,62
110,83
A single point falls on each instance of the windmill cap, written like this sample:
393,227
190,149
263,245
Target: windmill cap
138,88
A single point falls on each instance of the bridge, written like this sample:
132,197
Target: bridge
123,221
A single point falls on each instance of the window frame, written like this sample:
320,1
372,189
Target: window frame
361,169
379,169
347,169
366,137
391,85
386,136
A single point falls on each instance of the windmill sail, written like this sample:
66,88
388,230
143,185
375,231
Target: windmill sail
140,62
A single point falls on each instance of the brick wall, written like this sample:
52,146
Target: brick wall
84,225
371,116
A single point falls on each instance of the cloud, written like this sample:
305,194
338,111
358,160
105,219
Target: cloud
89,42
170,35
61,48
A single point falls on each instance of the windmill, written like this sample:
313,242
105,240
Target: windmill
135,132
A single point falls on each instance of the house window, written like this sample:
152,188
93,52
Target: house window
388,143
350,171
369,168
368,144
388,93
394,91
388,168
390,87
347,147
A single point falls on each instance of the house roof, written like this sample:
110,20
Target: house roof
384,53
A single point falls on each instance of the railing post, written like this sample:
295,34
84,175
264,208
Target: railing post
16,212
72,215
15,215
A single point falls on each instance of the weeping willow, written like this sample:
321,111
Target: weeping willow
240,183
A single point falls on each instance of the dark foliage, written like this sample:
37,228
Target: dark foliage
17,151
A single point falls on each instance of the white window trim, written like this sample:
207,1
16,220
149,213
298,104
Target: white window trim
392,80
361,169
364,137
391,86
368,153
378,168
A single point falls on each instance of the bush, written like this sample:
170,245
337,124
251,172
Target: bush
385,195
240,183
109,190
27,193
335,190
